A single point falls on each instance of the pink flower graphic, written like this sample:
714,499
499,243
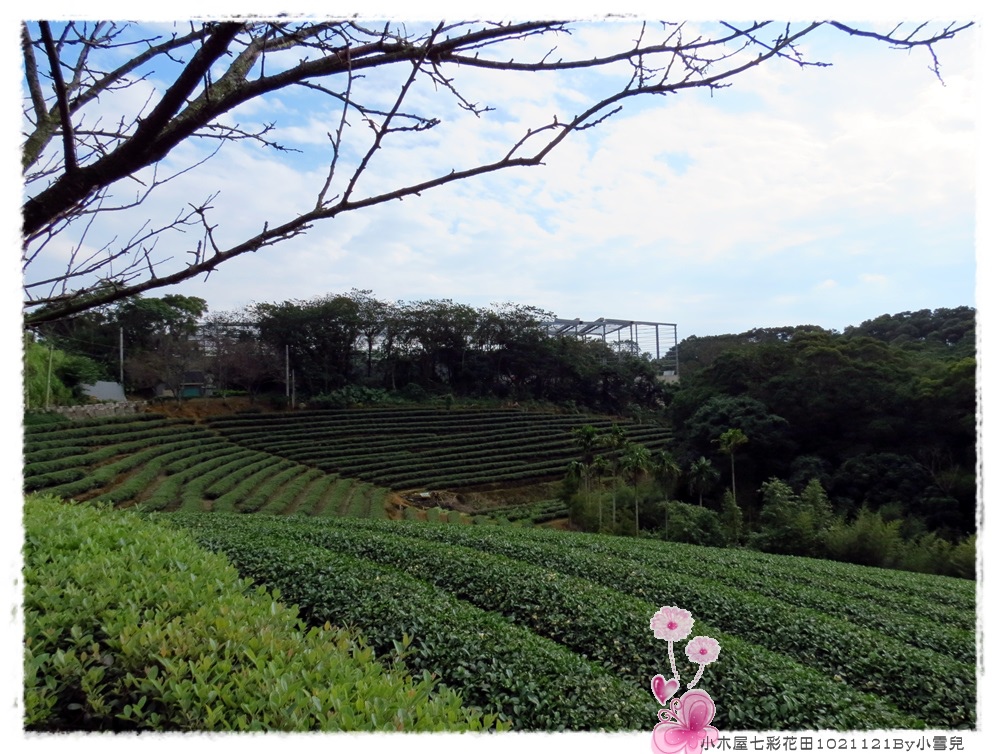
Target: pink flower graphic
671,623
702,650
685,726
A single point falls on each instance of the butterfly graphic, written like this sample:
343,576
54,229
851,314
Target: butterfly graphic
685,728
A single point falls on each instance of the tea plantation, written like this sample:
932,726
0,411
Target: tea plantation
535,629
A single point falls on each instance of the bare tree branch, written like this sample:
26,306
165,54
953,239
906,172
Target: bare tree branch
214,68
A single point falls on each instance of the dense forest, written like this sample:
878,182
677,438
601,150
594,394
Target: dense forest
883,414
876,424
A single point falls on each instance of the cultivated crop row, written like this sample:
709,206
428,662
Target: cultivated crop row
405,449
105,651
273,462
902,602
954,600
864,658
535,683
161,464
783,666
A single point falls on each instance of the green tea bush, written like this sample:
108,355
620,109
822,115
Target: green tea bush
532,682
937,688
131,626
42,418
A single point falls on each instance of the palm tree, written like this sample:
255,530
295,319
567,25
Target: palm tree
615,440
586,439
636,462
667,473
571,484
574,474
701,476
600,466
729,441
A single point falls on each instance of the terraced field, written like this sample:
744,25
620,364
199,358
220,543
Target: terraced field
551,629
546,628
311,462
174,464
426,448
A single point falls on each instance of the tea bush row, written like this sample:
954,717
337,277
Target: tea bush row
952,600
601,625
131,626
927,684
531,682
921,629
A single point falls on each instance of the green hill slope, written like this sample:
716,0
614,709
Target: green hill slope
311,462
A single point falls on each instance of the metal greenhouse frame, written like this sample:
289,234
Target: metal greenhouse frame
655,340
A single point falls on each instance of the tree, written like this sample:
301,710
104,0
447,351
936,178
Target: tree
731,519
701,476
785,527
144,321
729,441
601,467
586,438
815,500
100,137
319,334
52,376
168,363
636,462
135,325
667,472
372,314
615,440
770,432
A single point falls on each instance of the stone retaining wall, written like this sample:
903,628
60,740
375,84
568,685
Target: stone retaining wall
101,410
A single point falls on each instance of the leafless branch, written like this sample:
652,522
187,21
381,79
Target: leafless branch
76,159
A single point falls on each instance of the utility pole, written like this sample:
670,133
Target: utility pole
287,383
121,357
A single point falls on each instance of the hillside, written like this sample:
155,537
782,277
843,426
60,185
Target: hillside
343,462
548,630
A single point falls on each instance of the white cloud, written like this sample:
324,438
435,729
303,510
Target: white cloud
789,170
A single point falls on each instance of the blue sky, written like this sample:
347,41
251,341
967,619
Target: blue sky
824,196
817,196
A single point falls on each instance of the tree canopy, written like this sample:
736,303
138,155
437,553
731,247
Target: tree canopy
881,417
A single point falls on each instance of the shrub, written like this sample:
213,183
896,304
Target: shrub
869,540
925,554
731,519
39,418
131,626
412,391
963,558
695,525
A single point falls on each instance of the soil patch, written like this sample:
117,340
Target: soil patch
204,408
474,501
